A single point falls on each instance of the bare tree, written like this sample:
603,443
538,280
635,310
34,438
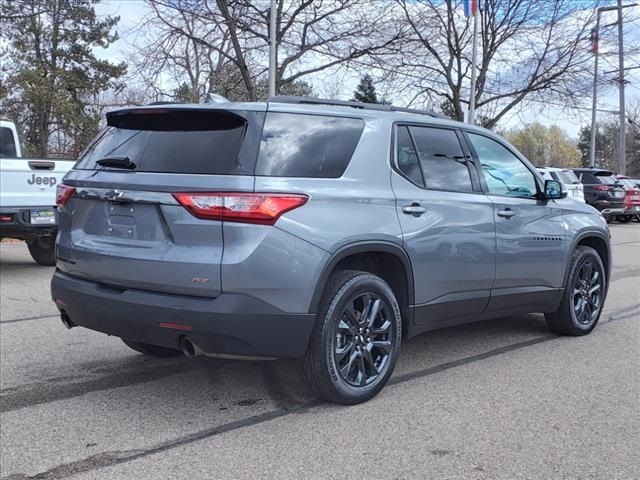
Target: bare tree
230,39
526,52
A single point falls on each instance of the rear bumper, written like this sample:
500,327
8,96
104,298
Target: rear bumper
230,324
15,223
632,209
607,207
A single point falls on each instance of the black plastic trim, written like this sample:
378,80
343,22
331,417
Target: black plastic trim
364,247
230,324
578,239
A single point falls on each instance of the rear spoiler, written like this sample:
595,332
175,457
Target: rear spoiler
164,118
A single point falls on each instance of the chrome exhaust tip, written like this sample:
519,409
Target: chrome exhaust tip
66,321
189,349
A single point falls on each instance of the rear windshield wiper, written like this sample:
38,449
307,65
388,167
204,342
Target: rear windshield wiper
117,162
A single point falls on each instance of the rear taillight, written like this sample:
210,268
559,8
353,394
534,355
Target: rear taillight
63,194
262,208
603,188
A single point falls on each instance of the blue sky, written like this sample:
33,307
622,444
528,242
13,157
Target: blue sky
132,11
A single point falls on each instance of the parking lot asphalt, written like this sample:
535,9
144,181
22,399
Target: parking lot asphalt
501,399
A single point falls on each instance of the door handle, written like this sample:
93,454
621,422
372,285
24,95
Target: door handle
414,209
506,213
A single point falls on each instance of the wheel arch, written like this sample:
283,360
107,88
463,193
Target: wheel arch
600,243
367,256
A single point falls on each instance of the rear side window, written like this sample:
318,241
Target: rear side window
443,162
311,146
408,158
175,141
7,143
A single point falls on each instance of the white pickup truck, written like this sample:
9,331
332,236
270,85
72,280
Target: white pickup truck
28,196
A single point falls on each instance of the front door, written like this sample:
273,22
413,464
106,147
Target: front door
531,241
447,223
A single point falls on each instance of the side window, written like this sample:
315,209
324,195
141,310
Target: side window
407,157
588,178
7,145
312,146
504,173
443,163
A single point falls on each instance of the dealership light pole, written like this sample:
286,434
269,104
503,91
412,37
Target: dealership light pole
471,8
622,154
595,49
272,50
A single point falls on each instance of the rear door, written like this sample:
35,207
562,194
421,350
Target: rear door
125,228
447,223
531,242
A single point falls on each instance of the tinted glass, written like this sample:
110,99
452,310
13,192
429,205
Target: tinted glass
181,149
407,157
7,144
312,146
567,177
504,173
587,178
443,163
608,179
627,182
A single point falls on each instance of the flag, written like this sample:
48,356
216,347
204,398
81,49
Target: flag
594,40
470,7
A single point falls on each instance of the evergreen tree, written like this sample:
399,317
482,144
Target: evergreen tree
366,91
51,76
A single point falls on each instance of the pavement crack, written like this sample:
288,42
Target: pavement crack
109,459
41,393
26,319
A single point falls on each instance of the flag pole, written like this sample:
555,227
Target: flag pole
472,96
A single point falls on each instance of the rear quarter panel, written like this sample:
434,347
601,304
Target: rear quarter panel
359,206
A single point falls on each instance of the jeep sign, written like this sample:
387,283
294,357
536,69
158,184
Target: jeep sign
51,181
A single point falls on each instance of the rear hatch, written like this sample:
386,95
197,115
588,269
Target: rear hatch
30,182
611,186
125,228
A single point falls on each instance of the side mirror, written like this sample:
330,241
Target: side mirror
553,190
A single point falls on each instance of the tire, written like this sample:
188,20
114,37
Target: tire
43,251
624,218
350,360
580,310
151,350
609,219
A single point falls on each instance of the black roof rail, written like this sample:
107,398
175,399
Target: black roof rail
344,103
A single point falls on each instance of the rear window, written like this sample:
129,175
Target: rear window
567,177
608,179
176,141
627,182
7,143
312,146
590,178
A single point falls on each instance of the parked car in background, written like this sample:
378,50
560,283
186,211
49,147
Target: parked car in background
28,196
315,229
603,191
570,182
631,199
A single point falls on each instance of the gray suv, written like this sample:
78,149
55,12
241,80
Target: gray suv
318,230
